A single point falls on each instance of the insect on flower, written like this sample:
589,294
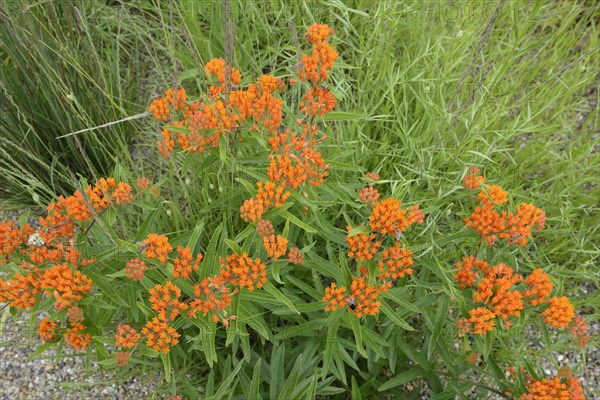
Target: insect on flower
351,303
518,236
399,234
143,247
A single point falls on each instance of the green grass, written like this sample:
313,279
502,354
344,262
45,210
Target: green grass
429,91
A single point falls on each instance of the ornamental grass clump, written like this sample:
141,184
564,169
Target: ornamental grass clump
282,302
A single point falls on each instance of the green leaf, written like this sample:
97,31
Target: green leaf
356,328
401,379
392,315
277,368
355,390
294,220
148,221
211,253
234,246
330,345
220,394
269,288
107,289
254,384
343,116
289,387
166,359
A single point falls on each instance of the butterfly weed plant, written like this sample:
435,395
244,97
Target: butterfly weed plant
290,304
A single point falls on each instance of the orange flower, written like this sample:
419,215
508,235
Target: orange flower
395,262
560,312
21,290
218,67
334,297
160,109
143,183
12,238
318,101
364,297
295,256
579,330
374,176
75,338
487,222
315,67
211,294
362,247
75,314
165,301
126,337
415,215
555,388
65,285
160,336
123,358
496,291
157,246
482,320
276,246
244,272
387,217
473,180
167,145
493,195
368,195
264,228
268,196
47,329
466,276
539,286
185,265
135,269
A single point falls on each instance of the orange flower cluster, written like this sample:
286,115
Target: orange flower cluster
160,336
316,66
65,285
515,228
473,180
106,192
557,388
59,281
185,264
362,246
76,338
295,256
47,329
157,246
368,195
212,294
135,269
364,296
243,272
12,238
126,337
497,288
481,320
395,263
268,196
264,228
335,297
317,101
539,287
560,312
75,314
276,246
165,301
295,160
123,358
579,330
387,217
160,107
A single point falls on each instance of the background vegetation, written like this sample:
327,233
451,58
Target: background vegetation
427,90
